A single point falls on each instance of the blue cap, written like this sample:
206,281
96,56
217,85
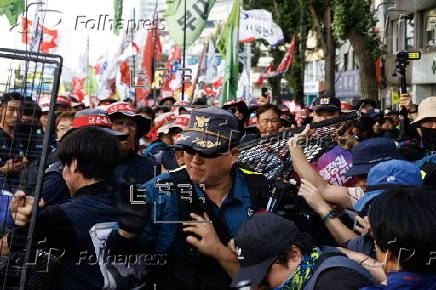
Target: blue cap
371,152
396,172
325,103
210,130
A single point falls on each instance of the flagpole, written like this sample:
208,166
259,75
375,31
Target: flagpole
200,64
134,55
153,63
184,54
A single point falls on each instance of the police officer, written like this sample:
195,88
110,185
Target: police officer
201,206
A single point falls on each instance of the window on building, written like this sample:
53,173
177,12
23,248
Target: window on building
430,27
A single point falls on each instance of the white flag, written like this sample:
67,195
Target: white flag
258,24
211,63
244,85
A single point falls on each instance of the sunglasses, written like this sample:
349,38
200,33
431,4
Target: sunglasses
192,151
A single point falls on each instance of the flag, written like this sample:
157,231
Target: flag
90,84
197,13
28,36
78,88
261,78
108,71
152,50
244,85
228,45
12,8
286,62
258,24
118,14
211,67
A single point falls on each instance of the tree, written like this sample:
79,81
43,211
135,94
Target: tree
322,16
291,16
354,20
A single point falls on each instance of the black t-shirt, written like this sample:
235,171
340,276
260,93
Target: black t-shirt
341,279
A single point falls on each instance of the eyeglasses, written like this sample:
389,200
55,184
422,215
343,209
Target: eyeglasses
192,151
125,124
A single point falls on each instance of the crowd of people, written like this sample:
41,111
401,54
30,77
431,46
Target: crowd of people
154,197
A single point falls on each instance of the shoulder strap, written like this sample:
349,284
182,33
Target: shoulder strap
333,258
190,202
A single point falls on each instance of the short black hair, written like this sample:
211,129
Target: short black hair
262,109
95,150
145,109
403,221
13,96
31,109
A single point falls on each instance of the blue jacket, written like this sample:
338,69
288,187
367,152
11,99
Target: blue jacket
406,280
235,208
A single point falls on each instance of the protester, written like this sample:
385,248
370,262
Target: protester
132,166
425,123
54,190
89,156
13,148
402,223
64,122
268,120
288,259
162,135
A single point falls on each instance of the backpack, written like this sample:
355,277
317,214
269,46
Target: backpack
333,258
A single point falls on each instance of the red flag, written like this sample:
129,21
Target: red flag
48,37
152,50
125,72
78,87
286,62
261,78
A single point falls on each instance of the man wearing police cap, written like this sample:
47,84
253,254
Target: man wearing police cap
203,204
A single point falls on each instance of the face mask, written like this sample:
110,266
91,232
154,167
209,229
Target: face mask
429,138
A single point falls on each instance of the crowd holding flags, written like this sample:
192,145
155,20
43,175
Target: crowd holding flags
185,20
228,45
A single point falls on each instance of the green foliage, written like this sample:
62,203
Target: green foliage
356,15
289,15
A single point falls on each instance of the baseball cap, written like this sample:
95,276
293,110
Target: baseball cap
63,101
331,104
181,103
44,103
370,152
125,109
393,172
426,109
180,121
95,117
210,130
274,233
